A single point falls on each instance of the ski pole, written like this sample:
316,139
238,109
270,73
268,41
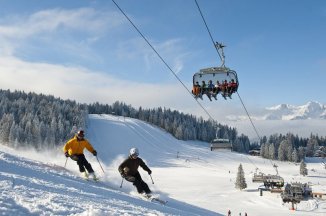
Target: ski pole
151,178
66,162
100,164
121,183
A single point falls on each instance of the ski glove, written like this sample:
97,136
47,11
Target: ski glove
94,153
66,154
123,175
149,172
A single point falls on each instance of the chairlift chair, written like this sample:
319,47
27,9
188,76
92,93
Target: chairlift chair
213,74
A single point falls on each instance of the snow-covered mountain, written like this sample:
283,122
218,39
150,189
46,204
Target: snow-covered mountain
194,180
311,110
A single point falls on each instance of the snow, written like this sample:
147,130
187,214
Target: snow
194,180
312,110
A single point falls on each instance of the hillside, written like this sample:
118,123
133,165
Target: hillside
193,179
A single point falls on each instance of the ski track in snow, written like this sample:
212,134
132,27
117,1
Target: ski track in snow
34,188
194,180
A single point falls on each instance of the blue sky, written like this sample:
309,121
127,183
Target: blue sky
87,50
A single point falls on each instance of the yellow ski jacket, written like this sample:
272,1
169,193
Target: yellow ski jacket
76,147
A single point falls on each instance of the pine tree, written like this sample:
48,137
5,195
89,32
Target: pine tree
303,168
295,155
311,146
271,151
262,150
282,150
240,181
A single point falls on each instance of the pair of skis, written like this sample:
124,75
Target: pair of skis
146,196
93,178
154,199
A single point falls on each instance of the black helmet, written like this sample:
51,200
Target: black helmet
80,134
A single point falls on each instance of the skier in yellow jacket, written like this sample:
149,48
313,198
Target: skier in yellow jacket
74,149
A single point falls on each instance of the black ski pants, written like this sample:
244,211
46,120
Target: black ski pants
83,163
139,184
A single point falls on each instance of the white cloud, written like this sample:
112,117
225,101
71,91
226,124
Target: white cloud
301,127
171,51
13,32
84,85
87,86
47,21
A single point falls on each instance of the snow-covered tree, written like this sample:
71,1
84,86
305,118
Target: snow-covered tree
303,168
271,151
263,150
38,121
311,146
295,155
301,153
282,150
240,182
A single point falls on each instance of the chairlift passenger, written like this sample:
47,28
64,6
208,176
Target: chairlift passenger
225,89
217,87
221,77
232,86
196,90
210,89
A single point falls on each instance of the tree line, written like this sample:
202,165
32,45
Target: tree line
181,126
42,121
37,120
290,147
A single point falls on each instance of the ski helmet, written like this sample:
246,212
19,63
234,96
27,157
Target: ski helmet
80,134
134,152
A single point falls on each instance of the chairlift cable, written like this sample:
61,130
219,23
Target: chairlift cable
209,32
161,58
221,59
249,116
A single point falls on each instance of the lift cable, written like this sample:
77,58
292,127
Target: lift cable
209,32
176,76
249,116
221,60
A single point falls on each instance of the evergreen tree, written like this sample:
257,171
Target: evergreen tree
295,155
38,121
301,153
182,126
262,150
240,181
271,151
282,150
312,145
303,168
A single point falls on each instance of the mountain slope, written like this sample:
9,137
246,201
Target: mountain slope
34,188
193,179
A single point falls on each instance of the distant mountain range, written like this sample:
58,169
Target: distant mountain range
311,110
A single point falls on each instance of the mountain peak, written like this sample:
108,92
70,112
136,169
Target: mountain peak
310,110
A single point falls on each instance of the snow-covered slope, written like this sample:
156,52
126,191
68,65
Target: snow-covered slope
193,179
30,187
